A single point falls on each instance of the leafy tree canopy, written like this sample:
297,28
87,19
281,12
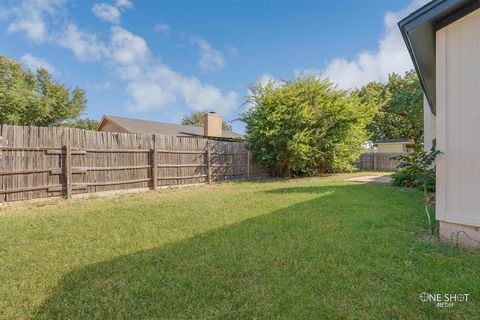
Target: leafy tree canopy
28,98
196,119
400,107
305,126
85,124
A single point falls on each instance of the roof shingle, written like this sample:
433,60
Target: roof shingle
163,128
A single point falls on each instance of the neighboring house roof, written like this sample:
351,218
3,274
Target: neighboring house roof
419,32
161,128
399,141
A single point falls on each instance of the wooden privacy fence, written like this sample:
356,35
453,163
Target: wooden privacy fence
374,161
38,162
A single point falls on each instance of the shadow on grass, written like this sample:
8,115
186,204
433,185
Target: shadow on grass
334,256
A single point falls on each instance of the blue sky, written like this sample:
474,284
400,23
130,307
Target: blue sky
161,59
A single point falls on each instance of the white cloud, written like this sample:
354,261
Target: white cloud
33,27
161,88
196,95
111,12
146,95
210,58
124,4
107,12
163,29
267,78
152,85
29,17
85,46
38,20
35,63
391,56
128,48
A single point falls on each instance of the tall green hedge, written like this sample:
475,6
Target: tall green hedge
306,126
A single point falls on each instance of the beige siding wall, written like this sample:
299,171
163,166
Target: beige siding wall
429,125
391,148
458,124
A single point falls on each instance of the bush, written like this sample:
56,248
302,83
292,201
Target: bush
306,126
411,180
417,169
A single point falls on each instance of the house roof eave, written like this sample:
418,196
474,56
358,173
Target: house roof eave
419,32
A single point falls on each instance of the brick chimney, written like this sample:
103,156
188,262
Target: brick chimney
212,125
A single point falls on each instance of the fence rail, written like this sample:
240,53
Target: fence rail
374,161
38,162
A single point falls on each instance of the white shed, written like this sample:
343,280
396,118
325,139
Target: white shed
443,39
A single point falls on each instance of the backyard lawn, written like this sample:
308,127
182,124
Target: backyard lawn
318,248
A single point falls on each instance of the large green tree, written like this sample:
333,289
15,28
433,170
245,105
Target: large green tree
28,98
400,107
305,126
196,119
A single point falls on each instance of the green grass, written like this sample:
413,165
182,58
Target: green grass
316,248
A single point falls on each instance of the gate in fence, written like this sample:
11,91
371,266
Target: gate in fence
374,161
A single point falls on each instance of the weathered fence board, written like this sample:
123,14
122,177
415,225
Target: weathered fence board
374,161
37,162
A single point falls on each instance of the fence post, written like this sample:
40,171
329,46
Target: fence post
3,197
374,162
248,164
154,163
209,165
68,169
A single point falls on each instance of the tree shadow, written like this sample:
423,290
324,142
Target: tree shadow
328,257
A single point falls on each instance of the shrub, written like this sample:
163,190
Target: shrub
418,169
411,180
305,126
